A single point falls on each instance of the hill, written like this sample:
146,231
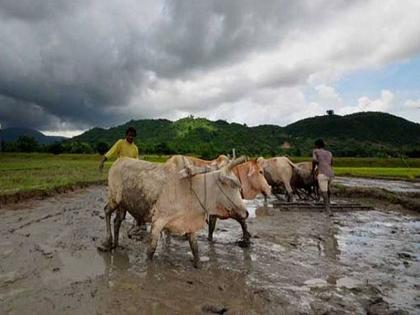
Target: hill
368,126
190,135
360,134
12,134
363,134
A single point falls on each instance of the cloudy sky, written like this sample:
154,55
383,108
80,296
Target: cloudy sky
66,66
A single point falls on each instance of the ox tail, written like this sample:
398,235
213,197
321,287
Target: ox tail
300,171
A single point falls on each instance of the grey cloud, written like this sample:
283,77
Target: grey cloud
77,64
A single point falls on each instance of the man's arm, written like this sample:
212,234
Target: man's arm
111,152
101,163
314,161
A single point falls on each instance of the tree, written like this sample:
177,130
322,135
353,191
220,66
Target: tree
55,148
102,148
163,148
27,144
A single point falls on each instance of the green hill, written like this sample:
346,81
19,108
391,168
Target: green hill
363,134
360,134
190,135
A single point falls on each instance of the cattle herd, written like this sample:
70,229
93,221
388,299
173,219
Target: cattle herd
184,193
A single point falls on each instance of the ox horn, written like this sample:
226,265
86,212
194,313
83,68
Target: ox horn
235,162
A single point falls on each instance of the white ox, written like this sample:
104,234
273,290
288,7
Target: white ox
157,194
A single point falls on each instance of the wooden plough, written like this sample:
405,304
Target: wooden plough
302,206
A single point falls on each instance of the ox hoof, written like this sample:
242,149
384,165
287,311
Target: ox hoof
118,247
105,246
244,243
196,264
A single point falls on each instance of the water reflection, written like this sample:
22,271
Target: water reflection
114,261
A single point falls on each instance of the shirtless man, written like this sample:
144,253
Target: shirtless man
322,160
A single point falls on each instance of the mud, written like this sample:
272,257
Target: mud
300,262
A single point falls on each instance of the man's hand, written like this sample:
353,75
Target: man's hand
101,164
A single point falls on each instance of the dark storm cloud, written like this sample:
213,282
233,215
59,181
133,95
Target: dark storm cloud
76,64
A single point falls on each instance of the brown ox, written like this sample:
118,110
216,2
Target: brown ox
303,179
250,175
156,193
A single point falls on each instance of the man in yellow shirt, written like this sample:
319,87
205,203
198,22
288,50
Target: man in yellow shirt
123,147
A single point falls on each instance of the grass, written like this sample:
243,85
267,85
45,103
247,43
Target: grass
378,172
43,172
355,162
22,173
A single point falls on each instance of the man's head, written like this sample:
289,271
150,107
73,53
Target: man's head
319,144
130,134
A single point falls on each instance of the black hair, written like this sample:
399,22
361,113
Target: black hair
319,143
132,130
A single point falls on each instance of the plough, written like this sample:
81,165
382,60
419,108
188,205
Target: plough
296,206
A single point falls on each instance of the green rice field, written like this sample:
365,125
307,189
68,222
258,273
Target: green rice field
36,172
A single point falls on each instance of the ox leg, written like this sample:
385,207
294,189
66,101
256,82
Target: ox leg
107,243
289,191
120,216
212,226
154,238
244,242
265,200
136,229
194,249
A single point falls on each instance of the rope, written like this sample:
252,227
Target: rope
195,194
227,197
237,174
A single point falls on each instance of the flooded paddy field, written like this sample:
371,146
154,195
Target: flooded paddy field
299,262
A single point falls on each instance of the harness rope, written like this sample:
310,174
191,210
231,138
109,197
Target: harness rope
239,179
205,193
196,195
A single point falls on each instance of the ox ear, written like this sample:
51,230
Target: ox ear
261,162
235,162
230,181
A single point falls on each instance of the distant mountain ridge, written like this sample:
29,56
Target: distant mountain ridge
12,134
375,127
360,134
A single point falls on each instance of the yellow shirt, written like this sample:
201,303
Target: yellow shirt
123,148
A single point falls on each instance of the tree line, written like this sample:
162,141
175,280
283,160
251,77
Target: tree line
210,150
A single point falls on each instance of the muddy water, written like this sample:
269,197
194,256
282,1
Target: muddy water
299,263
390,185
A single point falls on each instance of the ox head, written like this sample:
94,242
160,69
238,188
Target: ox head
256,178
229,201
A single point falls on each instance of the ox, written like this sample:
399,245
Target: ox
251,176
303,179
179,205
281,172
